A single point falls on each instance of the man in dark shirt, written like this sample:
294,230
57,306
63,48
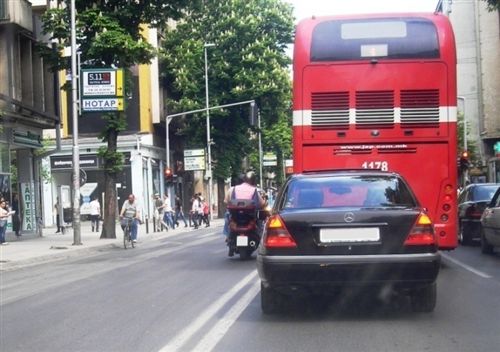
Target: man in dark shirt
178,212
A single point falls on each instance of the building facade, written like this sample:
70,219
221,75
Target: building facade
28,105
477,33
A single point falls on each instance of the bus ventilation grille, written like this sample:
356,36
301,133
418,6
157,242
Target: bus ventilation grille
330,110
420,108
375,109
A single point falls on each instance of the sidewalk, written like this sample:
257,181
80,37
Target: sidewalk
30,250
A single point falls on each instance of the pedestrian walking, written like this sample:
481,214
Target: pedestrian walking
168,220
58,215
206,212
179,214
4,214
95,214
16,217
158,216
195,211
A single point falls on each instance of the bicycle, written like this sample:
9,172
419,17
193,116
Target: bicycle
127,239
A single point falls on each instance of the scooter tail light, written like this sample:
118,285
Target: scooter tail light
422,232
277,235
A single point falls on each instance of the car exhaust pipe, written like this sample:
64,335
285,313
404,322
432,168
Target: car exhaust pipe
252,243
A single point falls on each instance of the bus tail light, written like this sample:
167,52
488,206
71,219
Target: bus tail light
422,233
276,235
448,198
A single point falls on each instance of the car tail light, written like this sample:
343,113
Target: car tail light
277,236
422,233
473,212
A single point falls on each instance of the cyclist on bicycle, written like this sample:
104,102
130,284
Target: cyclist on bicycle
130,211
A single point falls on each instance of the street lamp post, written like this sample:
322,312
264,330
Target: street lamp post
465,121
209,141
76,154
465,172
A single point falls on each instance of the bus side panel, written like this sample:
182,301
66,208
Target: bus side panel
426,167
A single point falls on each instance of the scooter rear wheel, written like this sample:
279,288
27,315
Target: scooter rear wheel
244,253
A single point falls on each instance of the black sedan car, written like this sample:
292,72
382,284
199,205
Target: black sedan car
471,203
341,229
490,225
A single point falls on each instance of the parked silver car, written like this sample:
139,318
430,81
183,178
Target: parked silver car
490,225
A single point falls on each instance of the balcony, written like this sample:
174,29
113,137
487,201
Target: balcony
16,12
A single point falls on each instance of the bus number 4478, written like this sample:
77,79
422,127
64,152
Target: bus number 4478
378,165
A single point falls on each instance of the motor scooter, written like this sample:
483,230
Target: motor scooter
244,233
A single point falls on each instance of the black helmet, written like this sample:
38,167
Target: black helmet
251,178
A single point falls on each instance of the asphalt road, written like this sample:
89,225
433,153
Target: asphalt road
183,293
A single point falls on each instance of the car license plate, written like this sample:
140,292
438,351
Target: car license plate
356,234
242,241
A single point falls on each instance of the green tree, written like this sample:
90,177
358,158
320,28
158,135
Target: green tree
108,33
493,5
247,62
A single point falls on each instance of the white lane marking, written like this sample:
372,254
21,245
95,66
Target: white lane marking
190,330
210,234
212,338
465,266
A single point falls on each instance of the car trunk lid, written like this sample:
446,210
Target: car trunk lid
350,231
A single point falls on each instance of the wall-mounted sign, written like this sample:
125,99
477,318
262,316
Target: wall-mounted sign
103,104
28,202
66,162
102,90
104,82
27,139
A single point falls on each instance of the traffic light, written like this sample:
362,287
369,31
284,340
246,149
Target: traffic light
169,175
464,161
254,112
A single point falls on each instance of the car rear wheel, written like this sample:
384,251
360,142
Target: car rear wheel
486,248
269,300
423,299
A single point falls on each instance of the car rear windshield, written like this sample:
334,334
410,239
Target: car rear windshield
366,39
485,192
347,191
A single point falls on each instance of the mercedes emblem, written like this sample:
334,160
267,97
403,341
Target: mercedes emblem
349,217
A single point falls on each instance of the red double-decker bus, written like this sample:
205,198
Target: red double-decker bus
379,92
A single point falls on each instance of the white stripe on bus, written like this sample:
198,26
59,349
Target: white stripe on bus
304,117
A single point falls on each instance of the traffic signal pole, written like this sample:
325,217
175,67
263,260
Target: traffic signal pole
169,118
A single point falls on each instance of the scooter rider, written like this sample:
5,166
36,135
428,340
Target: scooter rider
248,190
245,191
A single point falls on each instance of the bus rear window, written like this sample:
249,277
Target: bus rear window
389,38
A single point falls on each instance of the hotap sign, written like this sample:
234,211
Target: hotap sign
102,90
